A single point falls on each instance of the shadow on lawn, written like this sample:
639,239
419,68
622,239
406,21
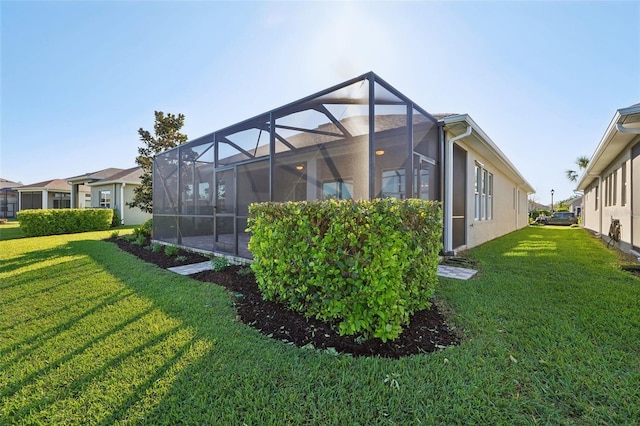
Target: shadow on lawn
133,349
76,329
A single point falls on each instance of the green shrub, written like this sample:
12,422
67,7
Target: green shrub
157,247
244,271
34,223
145,229
115,234
367,265
130,238
116,220
140,240
219,263
171,250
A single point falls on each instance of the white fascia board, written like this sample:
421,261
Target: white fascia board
486,140
111,182
634,109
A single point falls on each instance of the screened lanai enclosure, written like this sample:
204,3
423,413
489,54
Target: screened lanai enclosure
361,139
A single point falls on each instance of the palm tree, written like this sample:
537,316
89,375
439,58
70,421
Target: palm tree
582,162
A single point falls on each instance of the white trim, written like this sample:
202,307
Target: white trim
448,189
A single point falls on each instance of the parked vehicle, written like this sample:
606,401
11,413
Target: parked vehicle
561,218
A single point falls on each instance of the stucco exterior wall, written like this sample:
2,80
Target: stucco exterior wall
591,213
129,216
598,218
133,216
509,203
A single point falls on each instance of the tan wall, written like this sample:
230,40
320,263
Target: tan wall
133,216
509,203
592,217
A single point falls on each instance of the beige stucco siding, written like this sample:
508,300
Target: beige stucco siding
130,216
133,215
509,202
598,212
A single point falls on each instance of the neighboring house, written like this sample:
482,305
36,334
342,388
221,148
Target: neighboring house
50,194
608,181
112,188
8,198
575,206
361,139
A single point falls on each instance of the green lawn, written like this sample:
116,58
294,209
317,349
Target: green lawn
10,230
90,335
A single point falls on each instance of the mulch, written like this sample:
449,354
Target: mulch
428,330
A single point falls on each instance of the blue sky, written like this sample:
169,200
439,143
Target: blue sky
78,78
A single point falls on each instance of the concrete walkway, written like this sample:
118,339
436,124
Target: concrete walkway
443,270
447,271
194,268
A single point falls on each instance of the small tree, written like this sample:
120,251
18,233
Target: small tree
167,136
582,162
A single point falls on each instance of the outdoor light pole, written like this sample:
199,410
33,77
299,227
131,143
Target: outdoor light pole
552,201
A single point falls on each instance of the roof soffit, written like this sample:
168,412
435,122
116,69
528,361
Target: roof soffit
482,143
612,144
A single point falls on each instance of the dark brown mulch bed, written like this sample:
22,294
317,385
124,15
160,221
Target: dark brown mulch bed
162,260
427,331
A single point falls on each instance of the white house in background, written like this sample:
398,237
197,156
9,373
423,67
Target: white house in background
611,182
50,194
111,188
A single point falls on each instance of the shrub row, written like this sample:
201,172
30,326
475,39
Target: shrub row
363,265
35,223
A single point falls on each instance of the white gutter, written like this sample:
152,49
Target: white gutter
620,128
122,203
448,189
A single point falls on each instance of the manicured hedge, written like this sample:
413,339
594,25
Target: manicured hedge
34,223
365,265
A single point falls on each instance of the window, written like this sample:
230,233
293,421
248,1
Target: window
393,183
337,189
105,199
61,200
483,188
623,185
596,198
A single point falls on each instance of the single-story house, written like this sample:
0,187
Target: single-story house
8,198
575,206
50,194
611,182
111,188
360,139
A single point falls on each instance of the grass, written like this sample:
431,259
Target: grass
90,335
10,230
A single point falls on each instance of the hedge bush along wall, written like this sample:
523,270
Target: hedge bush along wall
35,223
363,265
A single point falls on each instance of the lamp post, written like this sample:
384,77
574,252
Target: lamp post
552,191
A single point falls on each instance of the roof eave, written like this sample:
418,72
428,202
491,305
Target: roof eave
466,120
596,164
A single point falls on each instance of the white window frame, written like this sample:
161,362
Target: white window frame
104,202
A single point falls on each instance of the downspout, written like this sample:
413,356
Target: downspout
122,203
448,190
